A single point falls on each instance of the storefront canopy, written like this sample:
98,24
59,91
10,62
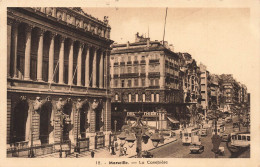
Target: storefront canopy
173,120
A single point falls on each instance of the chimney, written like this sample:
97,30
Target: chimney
171,47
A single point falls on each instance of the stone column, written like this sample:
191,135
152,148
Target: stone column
14,47
87,67
28,31
107,70
9,43
51,57
94,71
61,61
79,62
40,55
70,81
101,67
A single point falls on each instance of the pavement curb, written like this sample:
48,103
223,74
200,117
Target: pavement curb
156,147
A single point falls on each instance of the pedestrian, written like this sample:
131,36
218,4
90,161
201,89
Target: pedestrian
180,134
121,151
125,149
92,154
116,146
113,150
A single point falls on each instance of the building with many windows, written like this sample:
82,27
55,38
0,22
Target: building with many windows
57,80
145,77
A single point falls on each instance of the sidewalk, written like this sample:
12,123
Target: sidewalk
104,152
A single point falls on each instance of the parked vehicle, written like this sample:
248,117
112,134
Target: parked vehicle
196,148
147,154
226,137
204,132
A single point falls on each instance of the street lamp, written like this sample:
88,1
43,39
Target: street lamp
216,139
141,133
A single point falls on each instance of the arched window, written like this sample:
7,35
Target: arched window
116,97
136,97
152,97
143,97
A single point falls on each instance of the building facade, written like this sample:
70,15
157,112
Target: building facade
57,80
145,77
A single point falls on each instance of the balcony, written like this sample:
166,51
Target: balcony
135,62
129,75
153,74
129,63
142,62
122,63
154,61
116,64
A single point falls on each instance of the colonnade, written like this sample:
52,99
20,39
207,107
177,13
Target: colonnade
94,57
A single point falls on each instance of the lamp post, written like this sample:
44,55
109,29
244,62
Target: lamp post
31,153
140,131
216,139
77,148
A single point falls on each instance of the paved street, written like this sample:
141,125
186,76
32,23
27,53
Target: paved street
177,150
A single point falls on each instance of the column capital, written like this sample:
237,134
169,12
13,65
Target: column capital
62,38
95,48
52,35
29,28
41,31
81,45
71,40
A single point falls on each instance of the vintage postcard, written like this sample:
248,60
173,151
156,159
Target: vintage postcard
130,83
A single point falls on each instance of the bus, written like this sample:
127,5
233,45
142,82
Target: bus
240,139
189,135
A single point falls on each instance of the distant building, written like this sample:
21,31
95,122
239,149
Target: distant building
145,77
205,86
57,80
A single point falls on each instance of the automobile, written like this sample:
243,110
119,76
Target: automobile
225,137
236,125
204,132
147,154
196,148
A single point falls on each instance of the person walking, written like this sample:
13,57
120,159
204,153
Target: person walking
116,146
92,154
125,149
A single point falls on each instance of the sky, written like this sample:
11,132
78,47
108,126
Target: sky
220,38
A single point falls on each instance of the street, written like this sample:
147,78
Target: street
177,150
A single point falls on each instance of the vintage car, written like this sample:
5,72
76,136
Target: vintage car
225,137
196,148
147,154
204,132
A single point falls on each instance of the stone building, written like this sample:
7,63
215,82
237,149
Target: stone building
145,77
57,80
205,87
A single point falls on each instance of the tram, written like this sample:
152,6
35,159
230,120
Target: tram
189,135
240,139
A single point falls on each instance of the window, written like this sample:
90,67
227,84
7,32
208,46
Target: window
143,82
129,69
143,57
122,70
157,97
129,97
143,96
135,58
129,83
115,70
248,138
116,97
136,82
243,137
116,59
152,97
136,98
151,82
122,59
116,83
142,69
122,83
135,69
129,58
156,82
239,137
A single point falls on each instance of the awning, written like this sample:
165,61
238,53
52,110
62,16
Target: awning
173,120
